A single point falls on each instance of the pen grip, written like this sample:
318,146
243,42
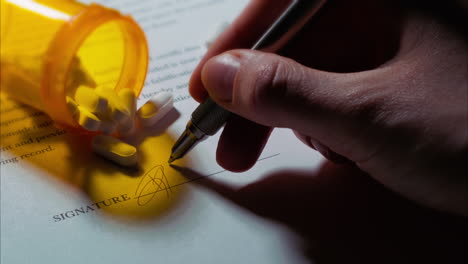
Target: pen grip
209,117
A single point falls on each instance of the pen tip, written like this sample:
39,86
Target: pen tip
171,159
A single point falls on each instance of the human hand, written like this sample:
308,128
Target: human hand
367,81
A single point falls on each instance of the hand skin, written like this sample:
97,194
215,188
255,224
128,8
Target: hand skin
367,81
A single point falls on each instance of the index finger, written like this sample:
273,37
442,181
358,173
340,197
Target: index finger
254,20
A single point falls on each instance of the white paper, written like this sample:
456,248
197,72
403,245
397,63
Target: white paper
193,225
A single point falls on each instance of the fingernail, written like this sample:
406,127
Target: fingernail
218,76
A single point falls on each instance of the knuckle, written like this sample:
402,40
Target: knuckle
265,83
269,85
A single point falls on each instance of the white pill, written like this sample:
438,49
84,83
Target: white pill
88,120
127,130
108,127
155,109
128,99
87,97
115,150
116,109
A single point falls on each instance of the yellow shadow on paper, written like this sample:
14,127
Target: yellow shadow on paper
29,138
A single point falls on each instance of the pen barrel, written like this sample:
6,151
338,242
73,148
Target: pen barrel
288,24
209,117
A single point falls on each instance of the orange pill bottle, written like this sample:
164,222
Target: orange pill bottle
50,47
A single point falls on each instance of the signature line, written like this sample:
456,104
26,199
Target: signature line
196,179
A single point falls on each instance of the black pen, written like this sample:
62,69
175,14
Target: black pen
208,118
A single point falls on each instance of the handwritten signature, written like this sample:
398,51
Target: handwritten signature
154,182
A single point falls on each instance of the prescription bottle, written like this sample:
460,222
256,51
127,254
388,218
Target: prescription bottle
51,47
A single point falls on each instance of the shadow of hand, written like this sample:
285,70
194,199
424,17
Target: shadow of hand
343,216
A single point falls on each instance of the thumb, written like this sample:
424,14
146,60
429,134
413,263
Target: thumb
275,91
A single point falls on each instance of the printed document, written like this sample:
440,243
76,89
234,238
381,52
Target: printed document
61,203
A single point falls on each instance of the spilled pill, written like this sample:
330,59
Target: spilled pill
155,109
115,150
118,111
108,127
88,98
127,130
88,120
128,98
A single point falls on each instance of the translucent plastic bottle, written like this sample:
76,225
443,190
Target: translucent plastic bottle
50,47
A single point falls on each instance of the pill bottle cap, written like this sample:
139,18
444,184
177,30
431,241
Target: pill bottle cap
103,40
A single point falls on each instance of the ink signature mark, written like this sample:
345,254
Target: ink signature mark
152,183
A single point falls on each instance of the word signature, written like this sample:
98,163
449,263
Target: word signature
154,182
